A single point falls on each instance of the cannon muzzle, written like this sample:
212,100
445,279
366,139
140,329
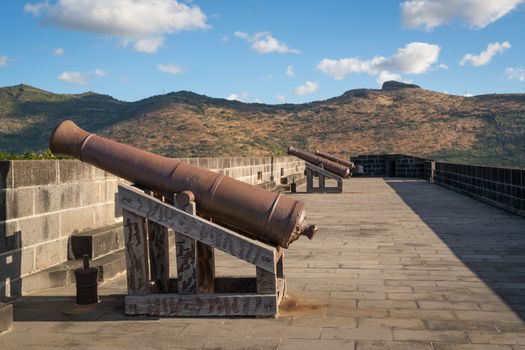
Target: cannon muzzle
329,165
346,163
266,216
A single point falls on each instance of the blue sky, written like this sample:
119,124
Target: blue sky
268,51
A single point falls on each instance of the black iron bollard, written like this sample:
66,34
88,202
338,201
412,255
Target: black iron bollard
87,292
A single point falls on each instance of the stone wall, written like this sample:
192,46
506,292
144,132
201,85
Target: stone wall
502,187
392,165
42,203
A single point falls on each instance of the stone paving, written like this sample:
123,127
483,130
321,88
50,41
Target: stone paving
396,265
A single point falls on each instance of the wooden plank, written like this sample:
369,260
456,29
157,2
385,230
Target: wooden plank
266,282
280,265
322,182
186,264
202,305
136,253
309,179
233,243
159,255
186,258
205,268
325,172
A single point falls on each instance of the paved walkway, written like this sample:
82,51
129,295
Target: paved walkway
396,265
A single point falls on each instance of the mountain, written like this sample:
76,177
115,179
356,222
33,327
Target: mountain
398,118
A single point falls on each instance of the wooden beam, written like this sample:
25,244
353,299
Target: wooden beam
325,172
205,268
136,253
202,305
266,282
202,230
186,258
159,255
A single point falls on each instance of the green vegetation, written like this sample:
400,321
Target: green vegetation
28,156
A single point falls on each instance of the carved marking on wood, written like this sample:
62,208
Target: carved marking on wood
159,256
136,253
201,305
205,268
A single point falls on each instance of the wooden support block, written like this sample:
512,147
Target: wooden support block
186,258
159,255
280,265
321,181
205,268
309,180
202,305
233,243
136,253
266,282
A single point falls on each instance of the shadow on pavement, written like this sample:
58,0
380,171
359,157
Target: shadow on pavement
487,240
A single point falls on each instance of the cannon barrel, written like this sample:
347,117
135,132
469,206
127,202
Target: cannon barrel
346,163
332,167
266,216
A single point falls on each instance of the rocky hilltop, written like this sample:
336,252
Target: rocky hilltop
399,118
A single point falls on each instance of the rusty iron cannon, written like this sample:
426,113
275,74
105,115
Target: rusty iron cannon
346,163
333,167
266,216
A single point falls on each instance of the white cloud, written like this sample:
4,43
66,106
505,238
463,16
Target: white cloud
170,68
515,74
429,14
79,78
3,61
280,98
442,66
144,22
100,73
238,97
58,51
290,71
149,45
225,39
467,94
386,76
485,56
241,35
76,78
305,89
414,58
35,8
264,42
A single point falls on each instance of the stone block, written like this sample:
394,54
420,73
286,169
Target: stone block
34,173
37,229
89,193
47,198
105,214
96,243
70,196
49,278
17,203
76,220
6,317
6,174
50,254
72,170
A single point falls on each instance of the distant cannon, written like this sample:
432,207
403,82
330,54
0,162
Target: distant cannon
266,216
346,163
329,165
